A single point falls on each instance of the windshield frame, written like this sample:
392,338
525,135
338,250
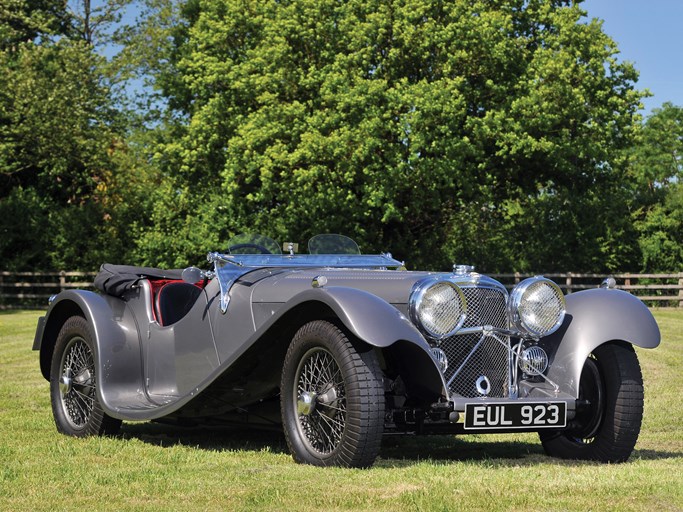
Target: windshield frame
230,267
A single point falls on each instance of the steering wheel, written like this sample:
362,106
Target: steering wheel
262,249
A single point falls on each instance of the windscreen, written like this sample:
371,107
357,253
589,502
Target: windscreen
332,244
249,243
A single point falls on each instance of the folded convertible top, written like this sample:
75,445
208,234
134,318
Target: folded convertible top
116,280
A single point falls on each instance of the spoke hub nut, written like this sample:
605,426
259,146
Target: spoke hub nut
305,405
65,384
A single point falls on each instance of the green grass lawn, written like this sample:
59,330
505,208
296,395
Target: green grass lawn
154,467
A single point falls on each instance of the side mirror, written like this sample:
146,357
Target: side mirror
192,275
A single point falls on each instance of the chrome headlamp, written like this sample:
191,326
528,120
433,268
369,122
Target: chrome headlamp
536,307
438,307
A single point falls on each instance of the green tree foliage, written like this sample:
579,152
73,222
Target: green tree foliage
492,132
657,174
478,131
69,181
56,118
26,20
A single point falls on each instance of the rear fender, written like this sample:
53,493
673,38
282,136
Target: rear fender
595,317
115,334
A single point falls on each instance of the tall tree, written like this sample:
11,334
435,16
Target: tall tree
62,148
657,175
96,21
489,132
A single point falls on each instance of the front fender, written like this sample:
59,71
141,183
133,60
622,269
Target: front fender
595,317
379,324
369,317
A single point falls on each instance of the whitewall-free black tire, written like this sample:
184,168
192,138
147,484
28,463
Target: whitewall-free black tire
73,384
607,428
332,398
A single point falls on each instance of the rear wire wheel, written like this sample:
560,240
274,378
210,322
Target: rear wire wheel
332,398
73,384
607,428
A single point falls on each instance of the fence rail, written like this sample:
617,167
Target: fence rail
21,290
663,290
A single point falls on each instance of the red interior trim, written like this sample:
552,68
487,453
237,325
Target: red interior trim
157,284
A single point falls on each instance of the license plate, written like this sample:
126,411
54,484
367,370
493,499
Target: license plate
511,415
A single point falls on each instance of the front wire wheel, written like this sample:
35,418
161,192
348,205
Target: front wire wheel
607,427
332,399
321,401
73,384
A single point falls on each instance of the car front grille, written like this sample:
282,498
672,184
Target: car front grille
474,355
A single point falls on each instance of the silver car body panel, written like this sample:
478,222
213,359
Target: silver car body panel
148,371
595,317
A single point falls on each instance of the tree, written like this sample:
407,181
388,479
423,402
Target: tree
95,21
26,20
64,200
56,119
657,174
488,132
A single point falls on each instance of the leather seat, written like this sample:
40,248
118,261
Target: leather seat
174,301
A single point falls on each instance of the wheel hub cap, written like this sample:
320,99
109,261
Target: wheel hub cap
306,403
329,402
65,382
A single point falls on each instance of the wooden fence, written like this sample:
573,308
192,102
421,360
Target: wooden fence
24,290
21,290
656,290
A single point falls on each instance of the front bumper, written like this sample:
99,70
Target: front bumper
463,415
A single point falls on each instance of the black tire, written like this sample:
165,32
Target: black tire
73,384
331,399
608,428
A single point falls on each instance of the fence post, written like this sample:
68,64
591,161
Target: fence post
680,289
517,277
62,281
569,282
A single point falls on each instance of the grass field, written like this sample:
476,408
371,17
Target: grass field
153,467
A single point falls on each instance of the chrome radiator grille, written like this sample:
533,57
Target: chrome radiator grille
471,356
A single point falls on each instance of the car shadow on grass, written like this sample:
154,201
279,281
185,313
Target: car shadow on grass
442,449
522,450
214,438
397,450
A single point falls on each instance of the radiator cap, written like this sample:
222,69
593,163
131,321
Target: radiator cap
462,270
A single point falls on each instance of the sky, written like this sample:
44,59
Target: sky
650,35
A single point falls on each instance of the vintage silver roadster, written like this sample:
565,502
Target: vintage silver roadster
338,348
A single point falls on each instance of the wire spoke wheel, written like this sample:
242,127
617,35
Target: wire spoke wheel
592,392
77,382
332,398
319,376
73,384
606,428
